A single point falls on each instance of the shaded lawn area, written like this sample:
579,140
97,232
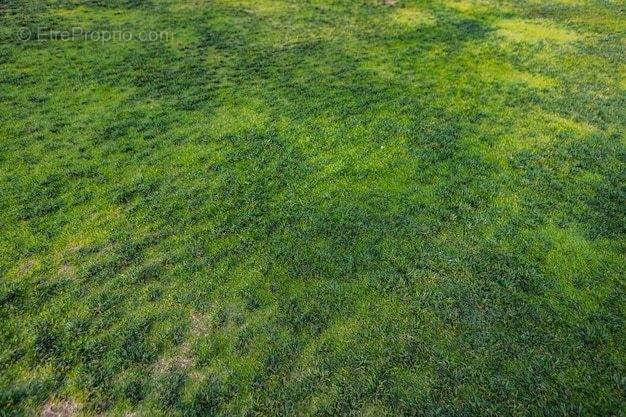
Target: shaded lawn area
321,207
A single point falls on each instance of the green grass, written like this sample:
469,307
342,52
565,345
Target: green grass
321,207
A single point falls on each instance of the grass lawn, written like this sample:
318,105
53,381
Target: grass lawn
312,208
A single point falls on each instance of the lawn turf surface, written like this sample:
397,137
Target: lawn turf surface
313,208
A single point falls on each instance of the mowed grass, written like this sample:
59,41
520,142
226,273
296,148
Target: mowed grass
316,208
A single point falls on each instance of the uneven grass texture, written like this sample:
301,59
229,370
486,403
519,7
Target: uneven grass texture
313,208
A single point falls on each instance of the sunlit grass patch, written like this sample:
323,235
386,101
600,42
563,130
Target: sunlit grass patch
92,18
462,5
190,6
534,80
478,6
598,19
537,130
263,7
503,72
518,30
413,17
71,12
561,123
574,263
181,39
247,118
567,2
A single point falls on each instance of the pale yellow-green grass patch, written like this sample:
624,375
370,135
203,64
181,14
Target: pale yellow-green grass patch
560,123
91,19
572,262
563,2
246,118
181,38
477,6
410,17
622,77
536,130
189,6
71,12
600,20
533,80
506,206
520,30
503,72
262,7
